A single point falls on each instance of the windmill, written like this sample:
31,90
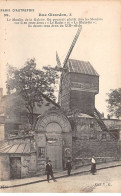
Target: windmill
83,89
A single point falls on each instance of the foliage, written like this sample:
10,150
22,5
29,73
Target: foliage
114,102
31,83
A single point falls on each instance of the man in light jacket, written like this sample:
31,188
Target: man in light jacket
93,165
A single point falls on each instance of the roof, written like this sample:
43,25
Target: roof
16,148
83,67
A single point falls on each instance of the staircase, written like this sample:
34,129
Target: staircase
101,123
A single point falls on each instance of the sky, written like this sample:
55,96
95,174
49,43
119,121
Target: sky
98,43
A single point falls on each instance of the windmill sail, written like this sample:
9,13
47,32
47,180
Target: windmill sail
58,60
72,45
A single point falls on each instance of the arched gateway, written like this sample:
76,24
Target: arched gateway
53,138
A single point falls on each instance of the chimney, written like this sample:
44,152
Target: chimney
1,93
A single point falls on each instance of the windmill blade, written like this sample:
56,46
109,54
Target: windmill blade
58,66
58,60
72,45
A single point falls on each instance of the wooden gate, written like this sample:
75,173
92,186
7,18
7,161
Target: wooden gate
54,153
54,150
54,144
15,167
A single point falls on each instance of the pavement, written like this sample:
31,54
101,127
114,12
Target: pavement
61,174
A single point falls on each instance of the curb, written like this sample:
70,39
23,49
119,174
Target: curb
62,176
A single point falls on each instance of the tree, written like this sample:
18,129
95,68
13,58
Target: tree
114,102
32,83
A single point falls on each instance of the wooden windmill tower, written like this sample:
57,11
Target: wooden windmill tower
79,83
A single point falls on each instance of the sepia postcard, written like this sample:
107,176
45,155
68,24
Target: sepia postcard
60,96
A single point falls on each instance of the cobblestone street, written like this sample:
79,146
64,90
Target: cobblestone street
106,180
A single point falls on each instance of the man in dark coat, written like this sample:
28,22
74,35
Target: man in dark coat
49,171
68,167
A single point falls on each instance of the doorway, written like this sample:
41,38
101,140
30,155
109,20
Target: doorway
54,144
15,167
54,153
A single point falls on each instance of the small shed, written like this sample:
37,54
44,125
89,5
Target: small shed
17,158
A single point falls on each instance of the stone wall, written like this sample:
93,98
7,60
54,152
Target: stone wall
80,162
25,166
87,148
89,140
67,147
4,167
41,161
28,165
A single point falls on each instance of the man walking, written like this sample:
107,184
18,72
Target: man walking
49,171
68,167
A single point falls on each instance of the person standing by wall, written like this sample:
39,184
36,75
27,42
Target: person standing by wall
68,167
93,165
49,171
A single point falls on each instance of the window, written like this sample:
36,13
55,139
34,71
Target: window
41,152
